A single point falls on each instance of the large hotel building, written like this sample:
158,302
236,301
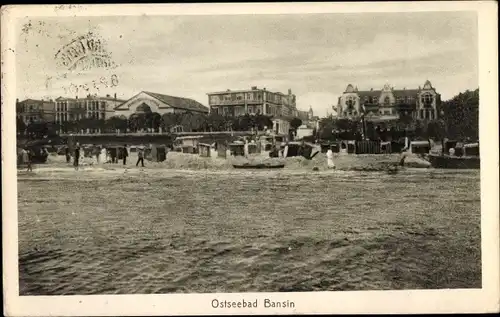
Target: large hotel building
70,109
252,101
256,101
389,103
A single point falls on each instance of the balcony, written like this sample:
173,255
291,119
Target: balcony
234,102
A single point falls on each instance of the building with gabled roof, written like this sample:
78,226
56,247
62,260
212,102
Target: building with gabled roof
146,101
389,103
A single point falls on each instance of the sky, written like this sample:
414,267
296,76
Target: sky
315,55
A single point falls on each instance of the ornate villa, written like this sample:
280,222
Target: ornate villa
389,103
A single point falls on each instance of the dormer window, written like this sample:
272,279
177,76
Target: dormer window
427,99
350,102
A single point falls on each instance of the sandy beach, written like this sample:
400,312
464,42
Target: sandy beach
110,229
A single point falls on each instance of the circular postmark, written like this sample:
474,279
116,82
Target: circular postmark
83,53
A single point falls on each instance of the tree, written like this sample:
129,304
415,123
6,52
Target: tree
461,115
326,129
436,129
263,121
116,123
40,129
198,121
216,122
295,123
169,120
153,120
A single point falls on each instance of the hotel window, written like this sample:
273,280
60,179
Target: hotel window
103,105
227,97
249,96
225,110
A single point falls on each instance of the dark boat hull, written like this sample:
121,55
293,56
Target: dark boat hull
440,161
259,166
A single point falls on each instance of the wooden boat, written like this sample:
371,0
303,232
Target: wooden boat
259,165
454,162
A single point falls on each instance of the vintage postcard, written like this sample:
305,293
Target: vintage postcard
258,158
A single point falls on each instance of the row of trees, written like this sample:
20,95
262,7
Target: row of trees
188,121
459,119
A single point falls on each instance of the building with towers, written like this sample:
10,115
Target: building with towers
389,103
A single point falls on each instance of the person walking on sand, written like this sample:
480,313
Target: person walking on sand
140,156
329,158
125,154
76,159
403,156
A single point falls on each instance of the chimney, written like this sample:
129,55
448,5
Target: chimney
289,91
76,97
264,88
115,95
108,96
254,87
17,100
371,89
228,90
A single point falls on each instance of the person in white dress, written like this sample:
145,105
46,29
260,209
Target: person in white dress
329,158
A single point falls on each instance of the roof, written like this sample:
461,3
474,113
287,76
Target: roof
235,91
91,98
35,100
369,93
179,102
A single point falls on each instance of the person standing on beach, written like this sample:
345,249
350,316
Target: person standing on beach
26,155
112,153
329,158
125,154
68,155
97,150
140,156
76,159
